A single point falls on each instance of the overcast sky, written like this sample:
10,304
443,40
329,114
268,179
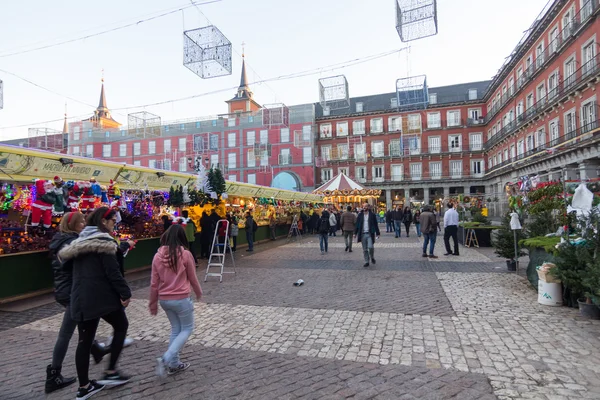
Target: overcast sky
143,63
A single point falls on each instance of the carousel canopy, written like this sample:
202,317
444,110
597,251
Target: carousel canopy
342,185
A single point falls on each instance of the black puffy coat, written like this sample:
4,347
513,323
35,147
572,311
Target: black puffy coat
98,282
63,273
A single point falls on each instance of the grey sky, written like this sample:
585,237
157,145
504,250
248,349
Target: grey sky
143,64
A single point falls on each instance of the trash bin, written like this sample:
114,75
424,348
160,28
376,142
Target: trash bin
549,288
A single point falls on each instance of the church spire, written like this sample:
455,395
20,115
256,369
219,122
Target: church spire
102,104
65,125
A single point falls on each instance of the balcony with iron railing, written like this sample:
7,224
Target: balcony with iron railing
570,85
548,54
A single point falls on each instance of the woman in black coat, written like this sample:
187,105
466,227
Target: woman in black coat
99,291
70,227
407,219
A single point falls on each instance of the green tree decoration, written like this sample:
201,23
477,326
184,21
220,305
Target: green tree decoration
216,183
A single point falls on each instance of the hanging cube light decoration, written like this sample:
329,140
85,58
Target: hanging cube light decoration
46,139
416,19
412,92
333,92
276,115
143,124
1,95
207,52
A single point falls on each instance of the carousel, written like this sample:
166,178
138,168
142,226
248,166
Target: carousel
342,191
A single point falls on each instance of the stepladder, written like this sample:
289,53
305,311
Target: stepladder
294,232
471,239
218,252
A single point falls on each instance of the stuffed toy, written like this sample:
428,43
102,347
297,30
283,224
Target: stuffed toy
41,208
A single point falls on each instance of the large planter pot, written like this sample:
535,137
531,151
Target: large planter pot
591,311
537,256
484,236
511,265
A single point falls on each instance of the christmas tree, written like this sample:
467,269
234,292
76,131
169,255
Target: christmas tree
216,183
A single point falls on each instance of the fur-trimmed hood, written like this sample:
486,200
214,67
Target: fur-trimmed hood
91,240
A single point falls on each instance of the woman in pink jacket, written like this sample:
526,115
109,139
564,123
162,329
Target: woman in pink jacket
173,272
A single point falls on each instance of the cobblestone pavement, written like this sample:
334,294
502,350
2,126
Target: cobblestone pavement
404,328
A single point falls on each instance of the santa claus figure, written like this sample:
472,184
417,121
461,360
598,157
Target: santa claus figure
62,194
75,191
41,208
87,196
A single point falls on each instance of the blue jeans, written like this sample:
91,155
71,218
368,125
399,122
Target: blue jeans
397,225
323,241
181,317
429,238
418,226
250,240
389,226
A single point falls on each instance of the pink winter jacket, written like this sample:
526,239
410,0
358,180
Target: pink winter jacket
168,285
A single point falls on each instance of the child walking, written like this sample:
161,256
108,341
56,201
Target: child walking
173,272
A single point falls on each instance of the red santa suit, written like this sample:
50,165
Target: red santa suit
87,197
41,208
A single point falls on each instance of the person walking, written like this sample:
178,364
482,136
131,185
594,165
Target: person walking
173,273
250,229
324,229
332,223
417,222
451,230
234,229
273,225
381,215
429,229
397,218
407,220
99,291
206,235
389,222
437,220
70,226
365,231
348,224
190,232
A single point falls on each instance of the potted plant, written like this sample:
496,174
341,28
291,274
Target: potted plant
504,243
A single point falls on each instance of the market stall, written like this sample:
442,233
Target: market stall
37,188
341,191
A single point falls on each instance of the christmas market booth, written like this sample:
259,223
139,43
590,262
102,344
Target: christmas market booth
38,187
341,191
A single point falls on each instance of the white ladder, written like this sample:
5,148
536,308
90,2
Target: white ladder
294,232
219,251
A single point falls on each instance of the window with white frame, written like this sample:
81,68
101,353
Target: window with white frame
152,147
588,52
106,150
307,155
167,146
511,86
360,152
284,135
414,122
434,120
499,156
76,133
456,169
432,98
472,94
231,160
264,158
453,118
435,170
377,148
89,150
358,127
378,173
553,85
326,174
181,144
394,102
213,141
541,92
529,100
476,141
395,148
397,172
359,107
570,68
137,149
264,136
182,164
343,170
342,151
586,9
250,138
570,123
477,167
75,150
167,164
529,143
414,144
455,143
232,178
251,158
474,114
567,24
361,174
415,171
251,179
540,138
231,121
539,55
521,147
152,164
342,128
505,154
325,131
394,124
376,125
588,115
231,139
214,161
435,144
512,151
553,37
326,152
138,163
123,150
519,109
494,130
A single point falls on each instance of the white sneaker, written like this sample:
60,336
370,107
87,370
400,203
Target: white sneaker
128,342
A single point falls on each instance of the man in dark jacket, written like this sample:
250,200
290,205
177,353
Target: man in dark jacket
250,231
429,231
366,229
348,224
389,222
397,217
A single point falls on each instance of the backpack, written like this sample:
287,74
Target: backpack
255,226
324,225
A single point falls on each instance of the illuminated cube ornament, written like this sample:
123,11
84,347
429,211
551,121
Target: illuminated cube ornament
412,92
46,139
276,115
143,124
207,52
333,92
1,95
416,19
